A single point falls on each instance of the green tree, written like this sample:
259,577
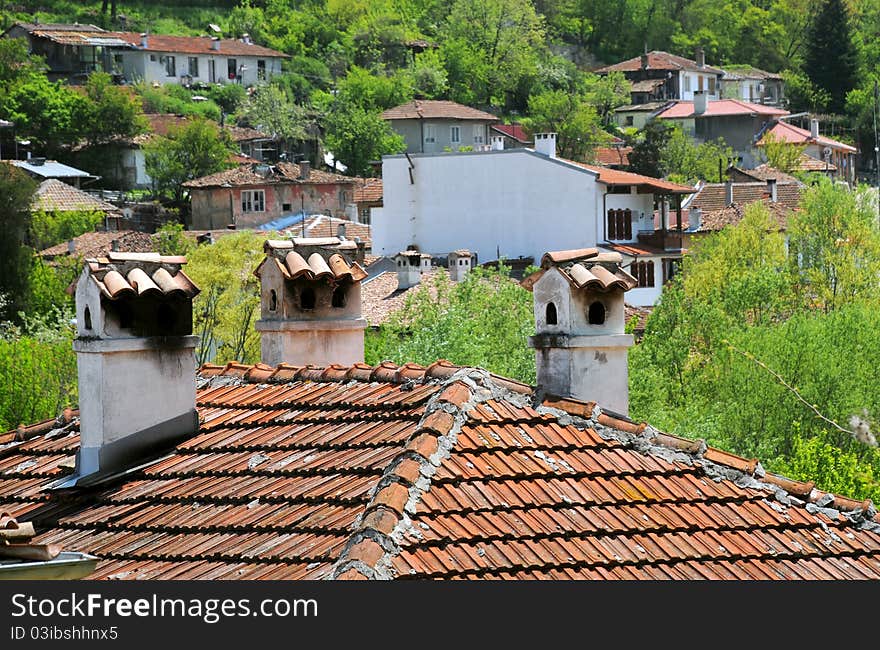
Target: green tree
193,150
683,161
47,113
831,60
50,228
16,191
270,111
169,239
803,94
357,137
607,92
572,117
647,154
782,155
111,112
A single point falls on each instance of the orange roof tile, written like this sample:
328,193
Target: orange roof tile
440,472
436,109
310,259
369,191
196,45
720,107
712,196
249,175
791,133
619,177
53,195
609,156
121,275
658,60
99,243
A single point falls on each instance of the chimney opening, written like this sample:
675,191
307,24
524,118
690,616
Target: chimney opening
87,317
307,298
551,314
596,313
273,300
165,318
338,299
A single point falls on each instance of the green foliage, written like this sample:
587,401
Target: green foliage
371,92
229,97
831,59
175,99
228,305
803,94
50,228
607,92
356,137
269,110
782,155
483,321
685,162
110,112
48,284
16,190
647,154
169,239
573,118
193,150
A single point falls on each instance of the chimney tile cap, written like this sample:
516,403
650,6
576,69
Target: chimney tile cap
134,274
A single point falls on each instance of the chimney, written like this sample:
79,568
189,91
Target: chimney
700,56
135,360
700,101
460,263
215,43
728,192
145,42
71,246
644,61
410,266
580,344
814,129
114,245
340,231
310,304
771,188
695,219
545,143
246,39
305,170
497,143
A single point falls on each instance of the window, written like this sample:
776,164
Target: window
430,135
261,70
712,85
231,68
87,317
620,224
670,268
273,300
699,82
193,66
365,216
253,201
478,139
644,273
687,83
285,207
170,66
628,121
117,63
455,134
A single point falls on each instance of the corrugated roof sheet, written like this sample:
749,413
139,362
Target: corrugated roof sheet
50,169
438,472
436,109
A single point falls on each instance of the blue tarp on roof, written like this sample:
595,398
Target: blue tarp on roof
284,221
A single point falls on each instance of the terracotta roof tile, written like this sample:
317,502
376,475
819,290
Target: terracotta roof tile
369,191
196,45
618,177
134,274
436,109
585,267
658,60
53,195
310,473
720,107
515,131
611,156
250,174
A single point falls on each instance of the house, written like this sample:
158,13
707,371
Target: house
516,203
55,196
367,196
255,194
635,116
736,122
72,51
434,126
42,169
515,136
347,471
615,157
190,59
678,77
818,147
100,243
752,85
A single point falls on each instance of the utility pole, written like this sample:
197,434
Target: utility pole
877,143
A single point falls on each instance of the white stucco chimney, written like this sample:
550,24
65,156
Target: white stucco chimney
700,57
771,188
728,192
497,143
580,344
545,143
71,246
310,303
695,219
460,263
145,40
814,128
701,99
215,43
135,359
411,264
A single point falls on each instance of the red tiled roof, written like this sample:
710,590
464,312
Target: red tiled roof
53,195
369,191
807,163
196,45
608,156
712,196
280,173
585,268
326,263
791,133
618,177
99,242
436,109
321,225
381,297
719,107
439,472
658,60
765,172
714,220
122,275
515,131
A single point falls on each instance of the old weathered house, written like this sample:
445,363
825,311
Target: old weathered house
378,472
432,125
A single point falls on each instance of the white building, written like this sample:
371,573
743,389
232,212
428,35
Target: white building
520,203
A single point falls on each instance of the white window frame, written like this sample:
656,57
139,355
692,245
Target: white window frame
687,82
430,133
455,134
170,66
253,200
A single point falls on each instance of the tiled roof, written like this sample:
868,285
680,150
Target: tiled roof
321,225
720,107
320,263
381,297
515,131
60,27
56,196
609,156
737,72
807,163
196,45
280,173
646,85
585,268
436,109
641,315
712,196
99,243
120,275
619,177
646,107
714,220
406,472
658,60
369,191
791,133
765,172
